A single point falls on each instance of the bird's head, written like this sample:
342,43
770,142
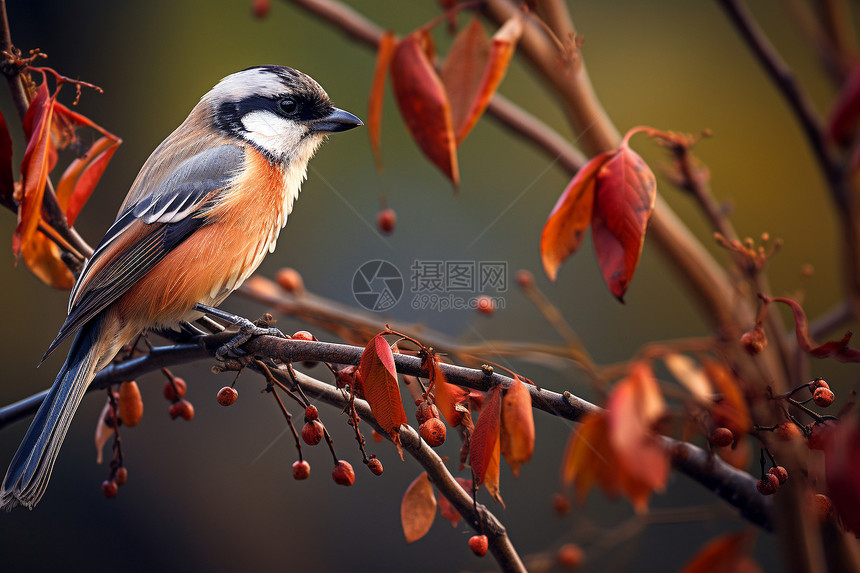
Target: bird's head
282,112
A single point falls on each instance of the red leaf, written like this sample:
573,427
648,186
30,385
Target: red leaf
731,410
378,379
725,554
34,167
82,175
42,257
635,406
564,229
837,349
423,103
463,70
518,426
491,475
845,113
7,183
447,396
486,434
502,49
447,509
418,509
625,194
842,466
387,43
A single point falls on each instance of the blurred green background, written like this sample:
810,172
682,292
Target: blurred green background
209,495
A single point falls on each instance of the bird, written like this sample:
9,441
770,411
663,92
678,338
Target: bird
199,218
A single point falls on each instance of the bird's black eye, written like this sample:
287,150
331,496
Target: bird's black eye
288,106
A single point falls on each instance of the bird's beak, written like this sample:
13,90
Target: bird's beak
337,120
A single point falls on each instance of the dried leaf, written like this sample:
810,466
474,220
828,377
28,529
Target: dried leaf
42,257
842,466
731,409
378,380
463,70
725,554
635,406
418,508
687,372
501,50
836,349
491,475
80,178
423,103
103,432
518,426
384,52
34,167
130,404
447,509
7,182
625,194
565,228
486,434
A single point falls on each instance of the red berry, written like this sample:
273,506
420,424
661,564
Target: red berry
343,474
485,305
182,409
290,280
260,8
722,437
560,504
818,434
787,431
303,335
570,556
433,432
525,279
385,221
754,341
479,545
121,476
426,411
109,489
174,389
780,472
823,397
375,466
311,413
301,470
818,383
312,432
821,506
768,484
227,395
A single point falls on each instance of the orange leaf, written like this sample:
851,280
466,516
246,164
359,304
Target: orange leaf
447,509
501,51
635,406
625,194
564,229
423,103
447,396
725,554
103,432
82,175
418,508
463,70
486,434
731,410
387,43
7,183
491,475
518,426
34,167
685,371
42,257
378,380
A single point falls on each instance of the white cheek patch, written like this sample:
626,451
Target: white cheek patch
273,133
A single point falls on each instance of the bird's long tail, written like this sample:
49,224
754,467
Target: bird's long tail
30,470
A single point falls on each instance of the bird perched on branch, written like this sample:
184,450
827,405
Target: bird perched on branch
198,220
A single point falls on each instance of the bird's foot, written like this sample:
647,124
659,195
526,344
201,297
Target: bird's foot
247,330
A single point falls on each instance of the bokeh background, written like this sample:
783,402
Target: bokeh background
217,494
